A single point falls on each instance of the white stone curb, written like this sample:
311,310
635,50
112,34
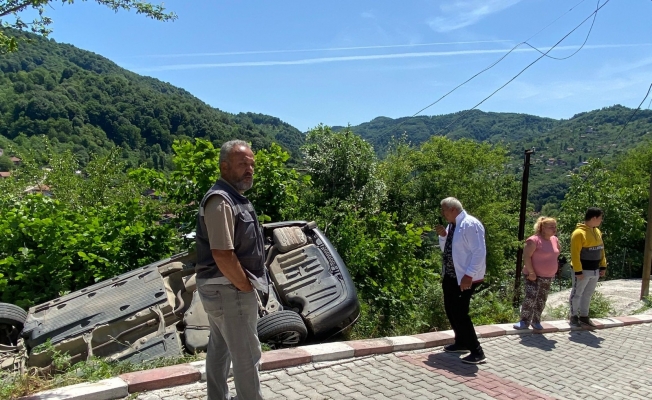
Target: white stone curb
201,366
609,322
509,329
563,326
643,317
406,343
329,351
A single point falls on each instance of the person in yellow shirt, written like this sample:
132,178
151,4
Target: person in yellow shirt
589,264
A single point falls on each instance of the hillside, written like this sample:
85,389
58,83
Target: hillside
561,146
84,102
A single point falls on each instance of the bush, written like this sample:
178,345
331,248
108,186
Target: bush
600,307
492,307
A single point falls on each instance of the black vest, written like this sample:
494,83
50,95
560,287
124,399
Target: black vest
248,238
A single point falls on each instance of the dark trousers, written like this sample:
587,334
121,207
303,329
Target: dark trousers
456,304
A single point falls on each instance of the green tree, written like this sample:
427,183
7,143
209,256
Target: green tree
622,192
13,9
96,226
6,164
196,168
343,168
275,194
419,178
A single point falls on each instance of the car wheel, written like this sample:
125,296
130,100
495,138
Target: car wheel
12,319
282,328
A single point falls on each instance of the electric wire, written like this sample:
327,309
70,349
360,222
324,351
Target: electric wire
593,14
504,56
576,51
649,89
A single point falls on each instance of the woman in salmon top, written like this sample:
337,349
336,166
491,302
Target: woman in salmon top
540,259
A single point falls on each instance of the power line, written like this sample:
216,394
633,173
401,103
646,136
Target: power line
558,18
504,56
637,110
649,89
581,47
593,14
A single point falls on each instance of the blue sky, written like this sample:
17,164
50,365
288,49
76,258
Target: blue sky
346,62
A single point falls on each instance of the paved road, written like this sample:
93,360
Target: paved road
613,363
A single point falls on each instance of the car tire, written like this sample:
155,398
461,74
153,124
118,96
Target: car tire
12,315
12,320
282,328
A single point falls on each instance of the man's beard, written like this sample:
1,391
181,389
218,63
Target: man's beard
242,186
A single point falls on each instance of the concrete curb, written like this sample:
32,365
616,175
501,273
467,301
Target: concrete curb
159,378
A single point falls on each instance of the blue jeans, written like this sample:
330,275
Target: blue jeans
232,315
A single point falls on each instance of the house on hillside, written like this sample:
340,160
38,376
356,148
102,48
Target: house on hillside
2,152
39,189
5,175
17,161
153,194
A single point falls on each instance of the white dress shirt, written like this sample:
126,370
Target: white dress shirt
469,249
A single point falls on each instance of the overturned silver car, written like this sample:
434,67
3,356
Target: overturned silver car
155,311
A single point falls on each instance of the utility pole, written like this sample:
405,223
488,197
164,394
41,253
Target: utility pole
647,258
521,227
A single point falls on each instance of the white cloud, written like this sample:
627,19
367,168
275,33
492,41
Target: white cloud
233,53
462,13
619,68
626,90
368,14
321,60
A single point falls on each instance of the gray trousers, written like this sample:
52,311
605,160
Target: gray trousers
232,315
580,297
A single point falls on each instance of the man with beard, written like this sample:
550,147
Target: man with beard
230,267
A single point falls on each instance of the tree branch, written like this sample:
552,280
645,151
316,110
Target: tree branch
16,8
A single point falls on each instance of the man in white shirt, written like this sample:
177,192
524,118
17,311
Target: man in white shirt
463,269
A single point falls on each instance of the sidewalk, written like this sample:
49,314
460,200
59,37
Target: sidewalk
611,363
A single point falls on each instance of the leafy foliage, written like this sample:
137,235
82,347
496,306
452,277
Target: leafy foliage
561,146
622,191
96,229
383,234
276,189
418,179
196,169
343,166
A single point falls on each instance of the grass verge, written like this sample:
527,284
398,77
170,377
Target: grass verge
62,373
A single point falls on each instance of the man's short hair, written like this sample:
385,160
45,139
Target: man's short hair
227,148
452,203
593,212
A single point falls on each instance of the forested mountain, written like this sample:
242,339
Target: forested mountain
561,146
84,102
